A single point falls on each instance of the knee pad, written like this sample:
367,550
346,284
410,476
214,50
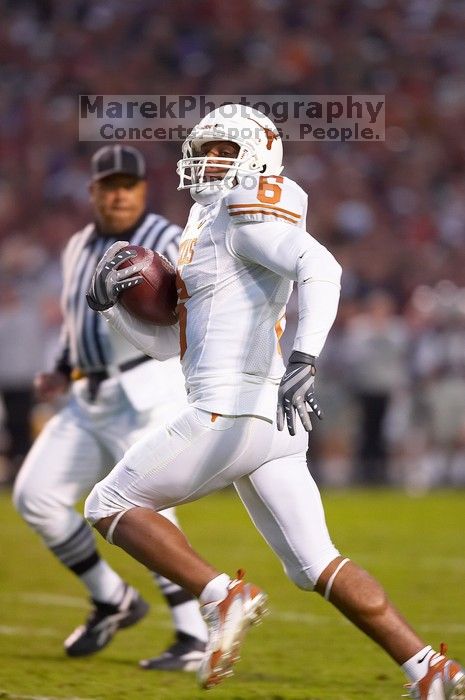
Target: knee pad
301,577
30,505
92,507
102,502
93,513
306,576
107,498
53,521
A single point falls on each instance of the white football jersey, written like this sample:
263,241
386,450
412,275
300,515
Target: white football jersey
231,309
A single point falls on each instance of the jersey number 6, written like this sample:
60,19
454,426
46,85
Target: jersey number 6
269,192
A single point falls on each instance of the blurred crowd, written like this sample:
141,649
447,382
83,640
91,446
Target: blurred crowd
392,377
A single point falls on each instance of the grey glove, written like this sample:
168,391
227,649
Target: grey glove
296,391
108,280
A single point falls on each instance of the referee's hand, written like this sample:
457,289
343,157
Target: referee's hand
49,386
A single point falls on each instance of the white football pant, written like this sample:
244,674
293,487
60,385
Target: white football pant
199,452
77,447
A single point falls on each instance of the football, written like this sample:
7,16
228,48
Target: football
155,299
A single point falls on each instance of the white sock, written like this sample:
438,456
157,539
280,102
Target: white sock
215,590
103,583
187,618
417,667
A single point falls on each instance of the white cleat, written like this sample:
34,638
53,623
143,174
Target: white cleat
228,622
445,680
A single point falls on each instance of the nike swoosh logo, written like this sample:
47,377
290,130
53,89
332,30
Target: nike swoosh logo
420,661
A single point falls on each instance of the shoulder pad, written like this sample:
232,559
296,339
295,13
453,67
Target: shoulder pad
267,198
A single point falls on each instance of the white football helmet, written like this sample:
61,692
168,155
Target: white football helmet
260,150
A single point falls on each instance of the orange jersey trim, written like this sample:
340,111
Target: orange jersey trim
264,206
279,330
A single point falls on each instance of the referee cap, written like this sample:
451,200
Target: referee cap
117,159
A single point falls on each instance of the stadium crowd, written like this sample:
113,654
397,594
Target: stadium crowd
392,378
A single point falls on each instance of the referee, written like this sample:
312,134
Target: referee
113,394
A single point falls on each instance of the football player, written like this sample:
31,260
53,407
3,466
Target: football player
244,244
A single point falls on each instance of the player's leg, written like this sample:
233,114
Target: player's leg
188,647
196,454
195,457
60,469
285,505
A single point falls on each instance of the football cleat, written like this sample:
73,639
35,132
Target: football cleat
445,680
103,623
185,654
228,622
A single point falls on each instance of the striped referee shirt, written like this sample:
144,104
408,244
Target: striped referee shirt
85,339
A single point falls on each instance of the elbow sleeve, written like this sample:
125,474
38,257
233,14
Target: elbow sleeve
321,267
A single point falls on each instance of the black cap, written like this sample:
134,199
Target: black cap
117,159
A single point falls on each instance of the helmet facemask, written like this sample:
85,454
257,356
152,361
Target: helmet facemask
260,152
193,167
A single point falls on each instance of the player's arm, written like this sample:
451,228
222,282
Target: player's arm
160,342
291,252
264,235
294,254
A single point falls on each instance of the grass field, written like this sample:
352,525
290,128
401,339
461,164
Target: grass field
304,650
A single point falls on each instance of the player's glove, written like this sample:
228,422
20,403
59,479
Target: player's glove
108,280
296,391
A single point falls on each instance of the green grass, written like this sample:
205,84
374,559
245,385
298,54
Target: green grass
304,650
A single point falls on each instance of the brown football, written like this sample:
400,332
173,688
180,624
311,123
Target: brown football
155,299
